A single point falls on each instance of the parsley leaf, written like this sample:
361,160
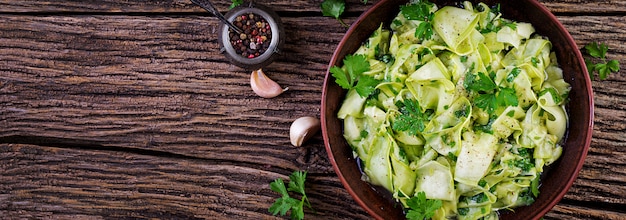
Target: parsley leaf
366,85
514,73
487,101
600,64
297,182
283,204
352,72
412,119
507,97
553,92
421,207
235,3
334,8
424,31
417,11
341,78
420,11
479,82
490,96
597,50
356,65
535,61
286,203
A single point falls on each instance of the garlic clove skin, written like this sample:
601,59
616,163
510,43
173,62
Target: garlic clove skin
302,129
264,86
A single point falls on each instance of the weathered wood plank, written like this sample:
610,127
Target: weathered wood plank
44,182
152,84
167,6
281,6
146,82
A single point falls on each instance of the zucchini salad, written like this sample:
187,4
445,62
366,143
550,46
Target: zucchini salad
455,104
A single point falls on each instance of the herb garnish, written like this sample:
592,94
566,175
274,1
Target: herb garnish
600,64
490,96
334,8
421,208
421,11
412,119
286,203
352,72
235,3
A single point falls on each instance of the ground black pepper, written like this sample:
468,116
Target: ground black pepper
255,39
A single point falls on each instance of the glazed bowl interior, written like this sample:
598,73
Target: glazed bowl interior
557,178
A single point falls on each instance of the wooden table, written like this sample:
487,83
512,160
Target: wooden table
127,109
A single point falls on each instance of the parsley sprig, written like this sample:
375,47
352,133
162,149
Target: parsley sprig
286,203
335,8
600,63
235,3
412,119
489,95
421,208
420,11
351,75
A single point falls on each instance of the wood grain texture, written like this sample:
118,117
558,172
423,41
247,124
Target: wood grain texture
281,6
127,109
44,182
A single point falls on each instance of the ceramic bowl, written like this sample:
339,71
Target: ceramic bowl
557,178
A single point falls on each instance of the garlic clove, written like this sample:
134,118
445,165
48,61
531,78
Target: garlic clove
264,86
302,129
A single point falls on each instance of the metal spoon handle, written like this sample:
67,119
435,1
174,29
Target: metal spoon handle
207,5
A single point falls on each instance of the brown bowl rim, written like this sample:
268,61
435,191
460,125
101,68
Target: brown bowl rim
569,41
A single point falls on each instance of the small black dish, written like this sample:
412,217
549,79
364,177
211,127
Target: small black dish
265,50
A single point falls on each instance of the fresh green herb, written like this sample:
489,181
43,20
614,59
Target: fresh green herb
286,203
482,183
486,128
386,58
478,198
412,119
524,164
600,63
452,157
363,133
489,95
511,25
366,85
235,3
535,61
355,66
534,186
334,8
510,113
507,97
479,82
514,73
555,94
463,59
463,211
462,113
525,197
421,208
421,11
487,102
496,9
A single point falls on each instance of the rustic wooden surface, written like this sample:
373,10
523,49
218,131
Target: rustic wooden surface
126,109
